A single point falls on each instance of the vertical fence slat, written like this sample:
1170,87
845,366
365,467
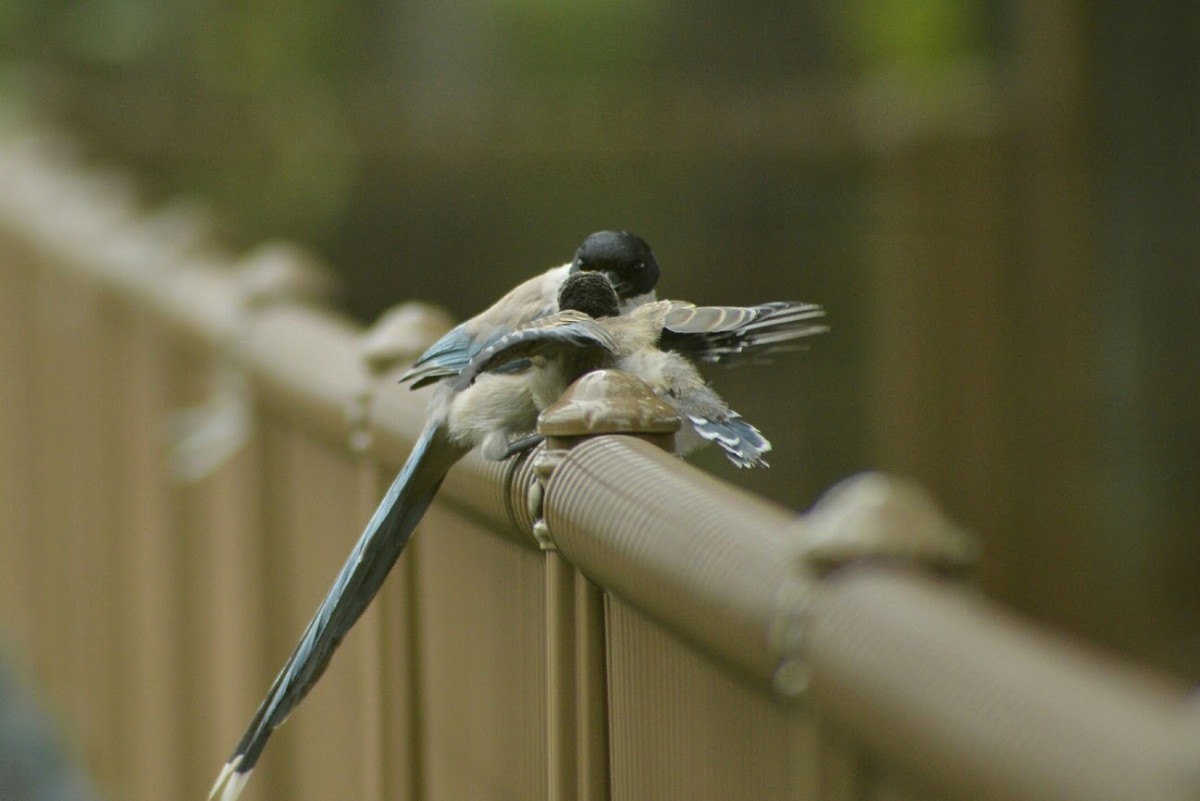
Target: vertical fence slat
192,528
234,606
95,613
591,705
52,658
482,610
150,690
373,646
402,734
322,522
683,728
274,776
109,604
76,391
561,765
18,541
839,766
216,524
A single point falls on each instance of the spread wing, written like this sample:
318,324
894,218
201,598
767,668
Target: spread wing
549,337
739,334
444,358
530,300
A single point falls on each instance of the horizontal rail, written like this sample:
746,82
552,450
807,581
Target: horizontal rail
939,682
696,554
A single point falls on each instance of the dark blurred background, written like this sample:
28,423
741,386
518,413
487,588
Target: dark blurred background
998,203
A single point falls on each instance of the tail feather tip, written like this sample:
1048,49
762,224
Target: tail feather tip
231,780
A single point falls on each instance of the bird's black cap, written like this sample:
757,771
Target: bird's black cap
624,257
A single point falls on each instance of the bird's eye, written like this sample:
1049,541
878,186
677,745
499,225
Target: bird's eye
641,265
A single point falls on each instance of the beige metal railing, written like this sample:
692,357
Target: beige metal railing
189,449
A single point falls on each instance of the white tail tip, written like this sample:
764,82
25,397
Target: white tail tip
233,782
235,786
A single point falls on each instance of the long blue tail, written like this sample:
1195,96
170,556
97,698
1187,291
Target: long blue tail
355,586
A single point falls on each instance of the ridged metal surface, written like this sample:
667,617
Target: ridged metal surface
686,729
702,558
482,608
315,526
481,488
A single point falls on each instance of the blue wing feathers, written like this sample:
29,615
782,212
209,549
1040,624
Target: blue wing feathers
444,358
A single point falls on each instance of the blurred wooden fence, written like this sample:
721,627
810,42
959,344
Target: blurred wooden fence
189,449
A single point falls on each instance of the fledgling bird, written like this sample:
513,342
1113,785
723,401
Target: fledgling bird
650,342
460,418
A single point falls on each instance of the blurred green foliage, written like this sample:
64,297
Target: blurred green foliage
914,35
280,113
580,42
